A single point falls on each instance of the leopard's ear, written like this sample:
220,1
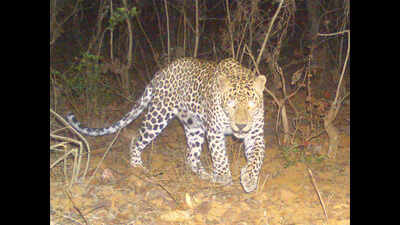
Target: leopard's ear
223,83
259,84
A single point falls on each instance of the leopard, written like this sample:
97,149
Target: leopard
211,100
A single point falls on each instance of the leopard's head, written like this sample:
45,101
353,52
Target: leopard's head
242,99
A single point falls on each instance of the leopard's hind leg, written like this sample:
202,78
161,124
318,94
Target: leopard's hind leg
195,134
156,119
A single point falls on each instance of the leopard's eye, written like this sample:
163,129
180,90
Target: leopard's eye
231,103
252,104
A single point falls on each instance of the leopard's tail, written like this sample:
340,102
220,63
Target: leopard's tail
137,109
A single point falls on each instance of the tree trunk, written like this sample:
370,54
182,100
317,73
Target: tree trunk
333,133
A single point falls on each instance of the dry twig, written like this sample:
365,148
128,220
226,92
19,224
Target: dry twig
268,32
319,194
230,27
168,35
76,208
196,45
104,156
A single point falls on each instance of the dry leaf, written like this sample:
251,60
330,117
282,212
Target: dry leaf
176,216
107,174
189,201
297,75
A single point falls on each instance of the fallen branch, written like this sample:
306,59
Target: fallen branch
319,194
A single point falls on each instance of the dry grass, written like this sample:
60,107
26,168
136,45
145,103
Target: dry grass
66,144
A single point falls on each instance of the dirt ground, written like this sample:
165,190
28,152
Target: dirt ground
170,194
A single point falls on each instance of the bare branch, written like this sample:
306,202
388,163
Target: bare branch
268,32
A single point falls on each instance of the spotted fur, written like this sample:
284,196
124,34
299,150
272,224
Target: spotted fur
211,100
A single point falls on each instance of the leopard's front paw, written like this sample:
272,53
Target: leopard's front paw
248,179
199,170
224,179
138,164
204,175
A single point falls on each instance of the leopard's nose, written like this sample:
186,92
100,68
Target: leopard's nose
240,126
